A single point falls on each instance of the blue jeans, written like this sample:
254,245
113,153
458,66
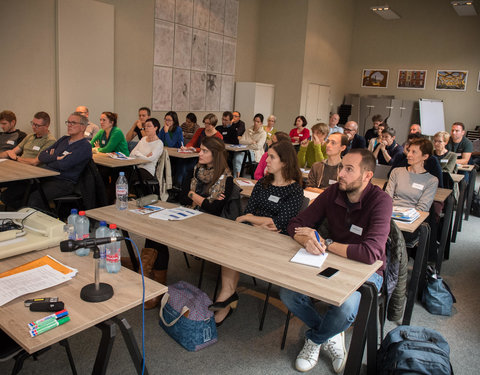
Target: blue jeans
238,159
337,318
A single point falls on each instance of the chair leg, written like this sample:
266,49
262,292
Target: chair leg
217,284
66,345
254,281
285,330
202,267
186,260
265,305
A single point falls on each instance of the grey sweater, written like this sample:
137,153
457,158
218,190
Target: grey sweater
412,189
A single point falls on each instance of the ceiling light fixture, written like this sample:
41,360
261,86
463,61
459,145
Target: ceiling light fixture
385,12
464,8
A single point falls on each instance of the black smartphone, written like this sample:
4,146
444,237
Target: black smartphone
328,272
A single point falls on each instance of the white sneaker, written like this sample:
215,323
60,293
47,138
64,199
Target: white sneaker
308,356
335,348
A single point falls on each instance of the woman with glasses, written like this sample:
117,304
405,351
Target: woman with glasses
447,159
171,133
210,121
110,138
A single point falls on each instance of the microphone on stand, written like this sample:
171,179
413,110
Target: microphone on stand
72,245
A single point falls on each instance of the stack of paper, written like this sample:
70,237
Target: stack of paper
119,155
177,213
408,215
304,257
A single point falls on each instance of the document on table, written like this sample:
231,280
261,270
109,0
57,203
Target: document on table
304,257
119,156
244,182
146,210
30,281
178,213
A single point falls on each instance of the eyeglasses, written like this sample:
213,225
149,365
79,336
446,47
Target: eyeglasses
206,122
72,123
37,125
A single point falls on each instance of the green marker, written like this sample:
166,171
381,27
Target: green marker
49,326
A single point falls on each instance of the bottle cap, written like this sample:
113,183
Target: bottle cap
103,223
122,173
82,213
113,226
73,211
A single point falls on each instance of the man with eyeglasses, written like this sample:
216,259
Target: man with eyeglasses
92,128
28,149
69,156
238,124
10,137
350,129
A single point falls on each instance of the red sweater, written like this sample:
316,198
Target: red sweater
303,135
198,137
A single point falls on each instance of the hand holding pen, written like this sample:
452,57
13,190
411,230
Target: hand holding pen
314,243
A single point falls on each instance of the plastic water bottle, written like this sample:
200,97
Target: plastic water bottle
72,218
113,251
82,229
102,232
121,188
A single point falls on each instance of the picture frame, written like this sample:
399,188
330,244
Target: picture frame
453,80
375,78
411,79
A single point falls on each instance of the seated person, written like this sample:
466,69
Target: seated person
300,132
373,132
238,124
110,138
413,186
333,126
283,182
460,144
312,151
149,148
69,156
255,138
350,129
137,128
210,121
270,129
92,128
189,127
28,149
171,133
388,150
378,139
447,159
208,191
367,209
227,130
261,169
10,137
324,173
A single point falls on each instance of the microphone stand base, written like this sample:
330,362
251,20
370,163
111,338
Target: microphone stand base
90,294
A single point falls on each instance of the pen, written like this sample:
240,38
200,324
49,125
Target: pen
318,236
56,315
35,332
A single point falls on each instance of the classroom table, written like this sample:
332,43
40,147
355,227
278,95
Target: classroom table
15,171
470,169
106,161
247,157
174,153
127,287
262,254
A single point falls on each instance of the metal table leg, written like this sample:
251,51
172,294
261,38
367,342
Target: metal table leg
459,213
470,189
131,252
447,220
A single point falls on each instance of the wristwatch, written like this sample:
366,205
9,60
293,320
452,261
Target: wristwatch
190,195
328,242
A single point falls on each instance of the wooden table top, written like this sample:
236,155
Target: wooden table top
173,153
465,167
457,177
235,148
107,161
15,171
247,249
127,288
412,227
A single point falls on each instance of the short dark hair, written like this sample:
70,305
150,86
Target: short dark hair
281,136
304,120
174,117
377,118
145,109
191,116
413,136
42,116
390,131
111,116
260,116
287,154
154,122
426,147
459,124
368,160
8,115
228,114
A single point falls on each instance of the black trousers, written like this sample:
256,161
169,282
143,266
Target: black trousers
53,187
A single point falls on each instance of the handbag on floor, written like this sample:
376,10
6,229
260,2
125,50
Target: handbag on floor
437,297
184,315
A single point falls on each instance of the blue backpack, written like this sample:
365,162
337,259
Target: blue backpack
414,350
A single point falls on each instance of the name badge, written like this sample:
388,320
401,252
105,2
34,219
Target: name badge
417,186
87,134
224,133
459,155
356,230
66,152
444,161
10,142
36,148
331,182
103,141
273,198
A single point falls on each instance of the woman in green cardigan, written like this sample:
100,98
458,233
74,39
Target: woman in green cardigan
314,150
110,138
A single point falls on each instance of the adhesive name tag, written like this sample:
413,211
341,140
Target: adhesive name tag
224,133
10,142
66,152
87,134
103,141
331,182
459,154
355,229
417,186
444,161
36,148
273,198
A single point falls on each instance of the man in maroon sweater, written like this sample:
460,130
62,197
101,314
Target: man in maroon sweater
358,215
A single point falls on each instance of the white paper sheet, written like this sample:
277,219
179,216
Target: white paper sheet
178,213
304,257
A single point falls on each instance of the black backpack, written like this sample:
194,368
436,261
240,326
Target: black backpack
414,350
475,210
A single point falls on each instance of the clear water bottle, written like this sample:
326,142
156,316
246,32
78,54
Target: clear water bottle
82,230
102,232
72,218
113,251
121,188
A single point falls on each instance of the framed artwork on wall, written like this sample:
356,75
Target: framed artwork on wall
411,79
455,80
377,78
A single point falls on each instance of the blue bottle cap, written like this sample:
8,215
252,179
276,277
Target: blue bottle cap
74,211
103,223
122,173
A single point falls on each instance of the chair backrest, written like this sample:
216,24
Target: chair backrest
92,187
232,208
305,203
382,171
447,180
